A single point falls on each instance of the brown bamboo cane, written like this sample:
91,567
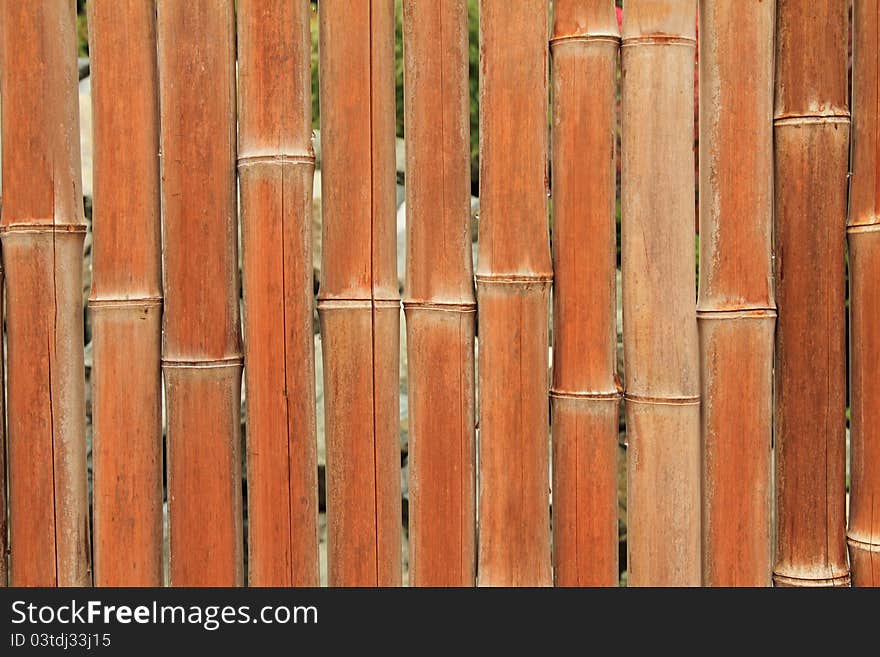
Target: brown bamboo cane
4,511
514,275
439,303
201,351
812,149
42,234
126,295
358,303
736,309
864,264
276,165
585,395
659,315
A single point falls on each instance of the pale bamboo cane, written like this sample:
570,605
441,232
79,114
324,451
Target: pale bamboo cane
659,315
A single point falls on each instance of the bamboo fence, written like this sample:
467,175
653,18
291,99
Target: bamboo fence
735,397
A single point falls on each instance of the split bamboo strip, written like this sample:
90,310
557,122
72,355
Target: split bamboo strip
585,395
812,149
126,295
358,304
864,263
42,233
440,305
514,275
659,314
736,310
201,351
276,164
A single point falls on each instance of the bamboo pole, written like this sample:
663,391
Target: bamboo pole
736,310
659,316
4,510
358,303
276,164
42,234
439,303
126,295
201,350
864,263
514,275
585,395
812,149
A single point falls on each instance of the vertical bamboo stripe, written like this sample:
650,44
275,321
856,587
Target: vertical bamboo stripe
201,350
42,234
585,396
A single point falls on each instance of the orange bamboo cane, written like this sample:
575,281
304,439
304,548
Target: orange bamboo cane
864,263
514,274
42,233
276,164
585,391
439,303
358,305
659,316
125,299
736,310
812,148
201,351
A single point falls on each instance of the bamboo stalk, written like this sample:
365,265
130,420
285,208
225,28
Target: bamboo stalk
276,164
42,234
201,352
659,328
439,302
514,275
864,262
736,310
4,511
812,148
358,303
585,395
126,295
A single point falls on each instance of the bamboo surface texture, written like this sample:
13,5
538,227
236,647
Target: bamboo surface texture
42,233
659,316
812,148
864,263
201,351
513,281
358,303
276,165
439,303
585,395
736,310
126,295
